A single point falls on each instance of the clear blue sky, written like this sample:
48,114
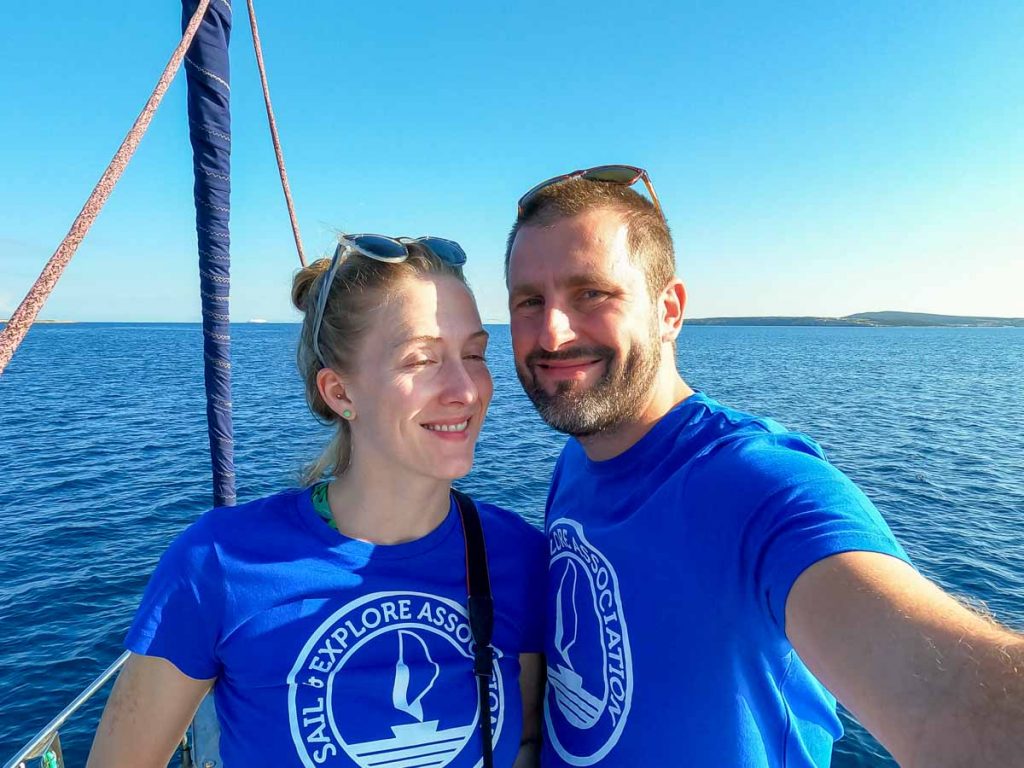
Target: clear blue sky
813,158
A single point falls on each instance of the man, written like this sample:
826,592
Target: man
714,580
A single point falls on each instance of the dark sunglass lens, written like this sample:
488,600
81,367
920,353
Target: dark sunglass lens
448,251
617,174
380,247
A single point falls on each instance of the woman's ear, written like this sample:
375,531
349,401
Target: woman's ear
332,389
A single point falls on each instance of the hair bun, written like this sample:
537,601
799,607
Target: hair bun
303,282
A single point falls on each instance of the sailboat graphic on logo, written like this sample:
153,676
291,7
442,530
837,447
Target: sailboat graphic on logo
580,707
413,744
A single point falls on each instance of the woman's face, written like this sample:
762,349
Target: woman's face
420,386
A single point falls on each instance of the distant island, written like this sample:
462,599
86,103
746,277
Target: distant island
872,320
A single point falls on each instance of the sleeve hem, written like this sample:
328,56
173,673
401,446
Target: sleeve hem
142,645
788,576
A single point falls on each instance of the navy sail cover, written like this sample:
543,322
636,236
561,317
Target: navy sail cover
209,119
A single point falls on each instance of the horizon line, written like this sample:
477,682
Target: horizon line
491,321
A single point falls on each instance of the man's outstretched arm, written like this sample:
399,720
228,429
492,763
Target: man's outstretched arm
936,683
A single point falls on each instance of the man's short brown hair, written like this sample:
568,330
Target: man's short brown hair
648,236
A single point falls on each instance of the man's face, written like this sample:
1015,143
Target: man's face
585,332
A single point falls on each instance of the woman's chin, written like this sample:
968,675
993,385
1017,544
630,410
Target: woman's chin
452,469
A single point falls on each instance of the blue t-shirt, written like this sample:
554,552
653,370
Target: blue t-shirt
335,652
670,567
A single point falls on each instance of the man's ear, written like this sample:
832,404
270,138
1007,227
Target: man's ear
671,304
332,389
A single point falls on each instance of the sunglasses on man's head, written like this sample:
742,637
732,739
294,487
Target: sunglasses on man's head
392,250
625,175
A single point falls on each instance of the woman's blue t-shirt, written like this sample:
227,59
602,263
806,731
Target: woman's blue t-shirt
334,652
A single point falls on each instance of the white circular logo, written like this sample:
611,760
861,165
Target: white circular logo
590,671
387,681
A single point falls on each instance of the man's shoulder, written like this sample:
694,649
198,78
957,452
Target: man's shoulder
710,428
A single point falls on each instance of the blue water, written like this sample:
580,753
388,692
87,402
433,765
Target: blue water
104,452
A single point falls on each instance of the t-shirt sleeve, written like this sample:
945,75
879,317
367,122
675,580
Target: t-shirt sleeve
806,510
180,615
517,556
536,584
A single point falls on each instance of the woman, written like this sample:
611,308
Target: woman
332,619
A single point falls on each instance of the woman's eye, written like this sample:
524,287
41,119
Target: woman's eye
420,363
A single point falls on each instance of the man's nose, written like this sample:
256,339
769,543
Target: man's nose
556,330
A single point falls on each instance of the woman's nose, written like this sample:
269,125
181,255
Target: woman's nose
459,385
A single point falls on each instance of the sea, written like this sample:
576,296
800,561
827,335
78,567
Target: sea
104,455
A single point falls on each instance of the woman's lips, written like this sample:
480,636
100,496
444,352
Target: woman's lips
449,429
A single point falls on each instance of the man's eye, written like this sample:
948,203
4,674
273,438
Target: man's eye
592,294
533,301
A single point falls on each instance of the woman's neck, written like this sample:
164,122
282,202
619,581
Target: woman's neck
387,506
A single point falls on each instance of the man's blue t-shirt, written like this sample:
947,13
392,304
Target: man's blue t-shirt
670,565
335,652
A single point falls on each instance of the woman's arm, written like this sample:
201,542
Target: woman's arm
531,686
148,711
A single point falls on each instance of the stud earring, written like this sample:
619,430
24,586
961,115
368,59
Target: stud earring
346,414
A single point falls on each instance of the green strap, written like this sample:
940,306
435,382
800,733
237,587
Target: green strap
321,505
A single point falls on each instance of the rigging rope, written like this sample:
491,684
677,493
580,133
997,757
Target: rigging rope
28,310
273,134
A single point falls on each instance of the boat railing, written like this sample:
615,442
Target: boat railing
199,745
45,746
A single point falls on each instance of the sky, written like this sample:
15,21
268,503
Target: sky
812,158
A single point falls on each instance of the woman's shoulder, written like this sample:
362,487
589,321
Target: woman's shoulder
221,526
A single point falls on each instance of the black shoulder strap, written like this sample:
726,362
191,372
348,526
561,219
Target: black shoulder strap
481,613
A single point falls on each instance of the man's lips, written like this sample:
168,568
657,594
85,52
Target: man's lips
562,369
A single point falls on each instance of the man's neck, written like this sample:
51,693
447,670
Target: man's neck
668,391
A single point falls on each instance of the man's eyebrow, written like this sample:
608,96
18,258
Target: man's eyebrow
572,281
524,289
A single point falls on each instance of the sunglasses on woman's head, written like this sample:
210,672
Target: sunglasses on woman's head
624,175
392,250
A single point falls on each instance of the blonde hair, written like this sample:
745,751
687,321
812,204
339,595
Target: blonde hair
360,288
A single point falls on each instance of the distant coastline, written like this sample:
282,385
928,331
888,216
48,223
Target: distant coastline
871,320
859,320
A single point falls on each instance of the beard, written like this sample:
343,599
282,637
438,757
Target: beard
617,397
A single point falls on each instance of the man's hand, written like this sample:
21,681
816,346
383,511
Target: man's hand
936,683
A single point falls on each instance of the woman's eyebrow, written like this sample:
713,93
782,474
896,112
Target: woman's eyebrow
428,339
417,340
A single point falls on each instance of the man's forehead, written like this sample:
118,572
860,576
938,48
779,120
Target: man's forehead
570,249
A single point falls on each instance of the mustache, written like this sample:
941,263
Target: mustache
573,353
